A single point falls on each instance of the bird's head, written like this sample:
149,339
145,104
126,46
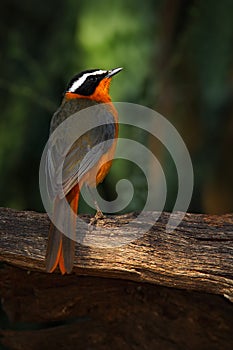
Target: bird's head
93,84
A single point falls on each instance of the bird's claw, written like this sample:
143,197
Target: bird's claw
98,216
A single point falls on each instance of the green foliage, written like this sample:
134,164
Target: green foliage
177,58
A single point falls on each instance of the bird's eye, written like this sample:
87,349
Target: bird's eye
92,78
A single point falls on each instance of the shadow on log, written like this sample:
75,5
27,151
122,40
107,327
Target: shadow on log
157,292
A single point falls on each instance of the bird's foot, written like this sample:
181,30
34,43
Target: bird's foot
98,216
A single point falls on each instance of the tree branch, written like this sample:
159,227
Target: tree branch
196,256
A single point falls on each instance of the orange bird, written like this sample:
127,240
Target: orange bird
86,89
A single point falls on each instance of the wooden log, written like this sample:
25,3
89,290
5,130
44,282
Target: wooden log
196,256
132,306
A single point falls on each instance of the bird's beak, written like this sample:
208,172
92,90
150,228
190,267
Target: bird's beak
113,72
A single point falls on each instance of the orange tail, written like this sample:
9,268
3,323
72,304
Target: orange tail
61,249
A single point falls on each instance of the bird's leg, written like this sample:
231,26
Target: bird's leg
98,215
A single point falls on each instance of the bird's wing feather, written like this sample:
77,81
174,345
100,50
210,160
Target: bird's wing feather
82,156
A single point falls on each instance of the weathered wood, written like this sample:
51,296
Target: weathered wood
122,310
198,255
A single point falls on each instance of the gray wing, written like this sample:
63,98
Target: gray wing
65,167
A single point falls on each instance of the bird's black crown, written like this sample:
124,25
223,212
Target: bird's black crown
86,82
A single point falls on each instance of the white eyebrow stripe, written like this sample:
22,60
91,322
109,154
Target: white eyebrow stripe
76,84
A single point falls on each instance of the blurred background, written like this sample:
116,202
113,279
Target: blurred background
177,58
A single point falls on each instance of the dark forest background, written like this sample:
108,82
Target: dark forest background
177,58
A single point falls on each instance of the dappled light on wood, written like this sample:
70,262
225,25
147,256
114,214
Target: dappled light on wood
119,295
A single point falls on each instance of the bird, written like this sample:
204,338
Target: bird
85,89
